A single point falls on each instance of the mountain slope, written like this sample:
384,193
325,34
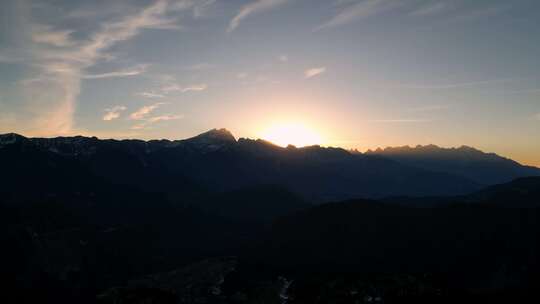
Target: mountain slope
519,193
481,245
215,161
483,168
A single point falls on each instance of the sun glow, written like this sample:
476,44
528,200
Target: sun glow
295,134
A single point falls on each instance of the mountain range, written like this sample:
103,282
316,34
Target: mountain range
468,162
216,162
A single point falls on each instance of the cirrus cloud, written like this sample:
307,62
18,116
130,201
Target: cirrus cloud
47,35
314,72
150,95
430,9
137,70
152,120
142,112
253,8
358,11
113,113
181,89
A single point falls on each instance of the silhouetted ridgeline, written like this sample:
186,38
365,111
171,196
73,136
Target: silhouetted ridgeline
216,161
213,219
483,168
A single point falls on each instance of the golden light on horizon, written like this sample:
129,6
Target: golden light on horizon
297,134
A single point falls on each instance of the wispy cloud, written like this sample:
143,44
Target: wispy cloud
150,95
414,120
202,7
537,116
152,120
429,108
137,70
314,72
242,75
171,88
142,112
194,88
430,9
47,35
113,113
359,10
283,58
61,61
182,89
253,8
454,85
200,67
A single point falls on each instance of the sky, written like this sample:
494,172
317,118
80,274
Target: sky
355,73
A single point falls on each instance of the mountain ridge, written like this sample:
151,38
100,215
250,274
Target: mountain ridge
466,161
224,135
216,160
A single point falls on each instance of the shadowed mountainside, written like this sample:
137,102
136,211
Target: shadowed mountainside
483,168
214,161
126,245
485,241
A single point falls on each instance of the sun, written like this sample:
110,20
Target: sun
297,134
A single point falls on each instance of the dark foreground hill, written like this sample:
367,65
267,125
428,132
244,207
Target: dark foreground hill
486,243
216,220
124,245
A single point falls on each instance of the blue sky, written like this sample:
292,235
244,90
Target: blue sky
360,73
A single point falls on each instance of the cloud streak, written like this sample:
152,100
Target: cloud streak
400,120
153,120
142,112
454,85
314,72
47,35
430,108
144,121
181,89
150,95
200,67
357,11
430,9
137,70
113,113
251,9
194,88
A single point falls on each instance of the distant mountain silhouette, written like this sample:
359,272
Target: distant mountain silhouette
213,161
483,168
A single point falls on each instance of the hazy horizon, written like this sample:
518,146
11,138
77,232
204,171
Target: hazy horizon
297,146
357,74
